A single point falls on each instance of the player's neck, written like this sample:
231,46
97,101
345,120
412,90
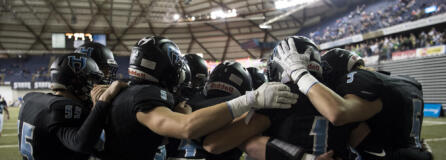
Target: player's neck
67,95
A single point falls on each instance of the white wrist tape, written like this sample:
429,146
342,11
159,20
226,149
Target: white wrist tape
242,104
306,82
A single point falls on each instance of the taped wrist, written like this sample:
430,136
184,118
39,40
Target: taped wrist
305,81
278,149
241,104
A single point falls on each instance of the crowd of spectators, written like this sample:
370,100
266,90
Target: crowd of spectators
30,68
361,20
385,46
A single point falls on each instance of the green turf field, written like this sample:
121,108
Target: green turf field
434,131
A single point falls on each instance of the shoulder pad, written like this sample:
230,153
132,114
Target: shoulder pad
364,84
149,96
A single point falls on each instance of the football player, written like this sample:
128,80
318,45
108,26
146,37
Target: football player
3,107
199,75
293,61
103,57
227,81
393,133
258,78
63,125
302,128
144,114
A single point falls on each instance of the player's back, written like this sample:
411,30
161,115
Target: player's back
125,137
399,122
38,119
191,149
304,126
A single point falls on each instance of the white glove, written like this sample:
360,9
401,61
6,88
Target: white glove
295,64
269,95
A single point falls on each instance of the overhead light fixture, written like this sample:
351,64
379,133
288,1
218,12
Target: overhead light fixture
176,17
220,14
281,4
265,26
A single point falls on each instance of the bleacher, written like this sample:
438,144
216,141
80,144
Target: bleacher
371,17
25,68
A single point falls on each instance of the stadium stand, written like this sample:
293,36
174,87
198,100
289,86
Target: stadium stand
25,68
367,18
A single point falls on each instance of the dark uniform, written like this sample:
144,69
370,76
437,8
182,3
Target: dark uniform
304,126
398,125
192,149
2,105
126,138
42,122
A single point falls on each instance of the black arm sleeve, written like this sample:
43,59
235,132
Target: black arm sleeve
83,138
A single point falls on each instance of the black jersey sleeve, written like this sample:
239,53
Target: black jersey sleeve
152,96
83,137
362,83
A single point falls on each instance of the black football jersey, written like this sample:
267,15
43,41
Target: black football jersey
126,138
304,126
40,117
192,149
398,124
2,106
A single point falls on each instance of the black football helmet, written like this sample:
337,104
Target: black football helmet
157,60
257,77
228,78
75,73
303,44
103,57
338,62
198,69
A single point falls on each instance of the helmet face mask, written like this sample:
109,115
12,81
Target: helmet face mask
75,73
103,57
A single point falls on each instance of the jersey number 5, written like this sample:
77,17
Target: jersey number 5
26,149
319,131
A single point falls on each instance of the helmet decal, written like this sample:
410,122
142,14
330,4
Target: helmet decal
77,64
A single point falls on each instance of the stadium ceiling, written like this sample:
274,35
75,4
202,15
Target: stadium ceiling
26,26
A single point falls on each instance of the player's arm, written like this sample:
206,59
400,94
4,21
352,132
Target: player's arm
338,110
342,110
203,121
235,134
83,138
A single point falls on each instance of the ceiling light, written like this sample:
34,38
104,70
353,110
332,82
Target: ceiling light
176,17
281,4
220,14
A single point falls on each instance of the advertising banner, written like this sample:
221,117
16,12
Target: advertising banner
404,54
431,51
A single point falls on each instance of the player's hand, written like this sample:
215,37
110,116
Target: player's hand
293,63
326,156
112,91
273,95
96,92
182,107
269,95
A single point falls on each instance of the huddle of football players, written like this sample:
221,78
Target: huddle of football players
306,106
